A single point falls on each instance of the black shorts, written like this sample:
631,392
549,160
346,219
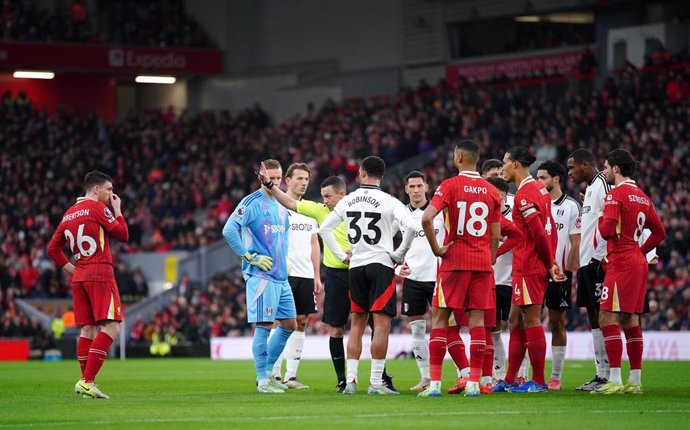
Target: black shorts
589,280
336,302
558,294
416,296
303,291
504,298
372,289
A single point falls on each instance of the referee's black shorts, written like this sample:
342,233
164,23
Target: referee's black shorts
336,302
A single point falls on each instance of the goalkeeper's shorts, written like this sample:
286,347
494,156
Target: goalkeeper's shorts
269,300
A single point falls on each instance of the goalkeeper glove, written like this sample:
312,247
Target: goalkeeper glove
263,262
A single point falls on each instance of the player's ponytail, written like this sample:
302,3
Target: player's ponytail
521,155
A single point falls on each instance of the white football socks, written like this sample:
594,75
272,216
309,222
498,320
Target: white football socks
420,347
293,352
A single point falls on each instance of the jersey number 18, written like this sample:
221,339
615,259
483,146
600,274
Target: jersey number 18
476,225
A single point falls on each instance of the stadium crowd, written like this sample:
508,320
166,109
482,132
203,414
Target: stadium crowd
123,22
181,176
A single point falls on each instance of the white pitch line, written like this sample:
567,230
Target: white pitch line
315,417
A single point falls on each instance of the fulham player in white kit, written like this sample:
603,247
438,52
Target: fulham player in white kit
372,217
582,168
419,274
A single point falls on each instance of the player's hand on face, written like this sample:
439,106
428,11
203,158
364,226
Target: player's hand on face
442,250
116,202
405,270
556,274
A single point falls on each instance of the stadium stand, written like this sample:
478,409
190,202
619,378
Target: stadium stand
169,168
120,22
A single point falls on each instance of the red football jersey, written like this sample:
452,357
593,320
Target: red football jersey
532,199
470,206
86,227
633,211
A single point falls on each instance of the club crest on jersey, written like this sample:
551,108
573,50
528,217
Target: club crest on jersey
269,311
438,191
523,202
609,197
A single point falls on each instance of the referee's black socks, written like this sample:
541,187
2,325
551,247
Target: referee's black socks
338,357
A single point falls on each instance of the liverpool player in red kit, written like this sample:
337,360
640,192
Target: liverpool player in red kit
86,228
627,213
533,263
472,209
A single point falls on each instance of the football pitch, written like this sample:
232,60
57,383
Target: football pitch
200,393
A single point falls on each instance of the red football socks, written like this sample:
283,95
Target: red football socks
456,348
536,345
488,363
477,345
614,344
635,346
517,346
83,346
97,355
437,352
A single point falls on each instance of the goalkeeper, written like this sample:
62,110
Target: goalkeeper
257,231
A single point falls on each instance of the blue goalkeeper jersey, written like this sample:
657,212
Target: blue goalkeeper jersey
260,225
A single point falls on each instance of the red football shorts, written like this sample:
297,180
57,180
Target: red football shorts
624,291
529,289
464,289
459,317
95,302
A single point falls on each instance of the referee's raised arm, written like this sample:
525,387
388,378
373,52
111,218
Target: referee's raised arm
282,197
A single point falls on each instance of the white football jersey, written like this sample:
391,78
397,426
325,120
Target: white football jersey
510,198
566,212
592,245
503,267
299,245
372,218
421,260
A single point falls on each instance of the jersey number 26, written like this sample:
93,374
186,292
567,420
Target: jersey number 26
85,244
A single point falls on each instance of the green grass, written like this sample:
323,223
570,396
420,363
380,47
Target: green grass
200,393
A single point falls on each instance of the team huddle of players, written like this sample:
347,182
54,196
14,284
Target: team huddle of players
476,254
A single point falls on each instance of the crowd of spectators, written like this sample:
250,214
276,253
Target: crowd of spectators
180,176
161,23
16,324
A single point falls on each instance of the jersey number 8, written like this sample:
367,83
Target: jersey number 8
641,218
82,239
476,225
